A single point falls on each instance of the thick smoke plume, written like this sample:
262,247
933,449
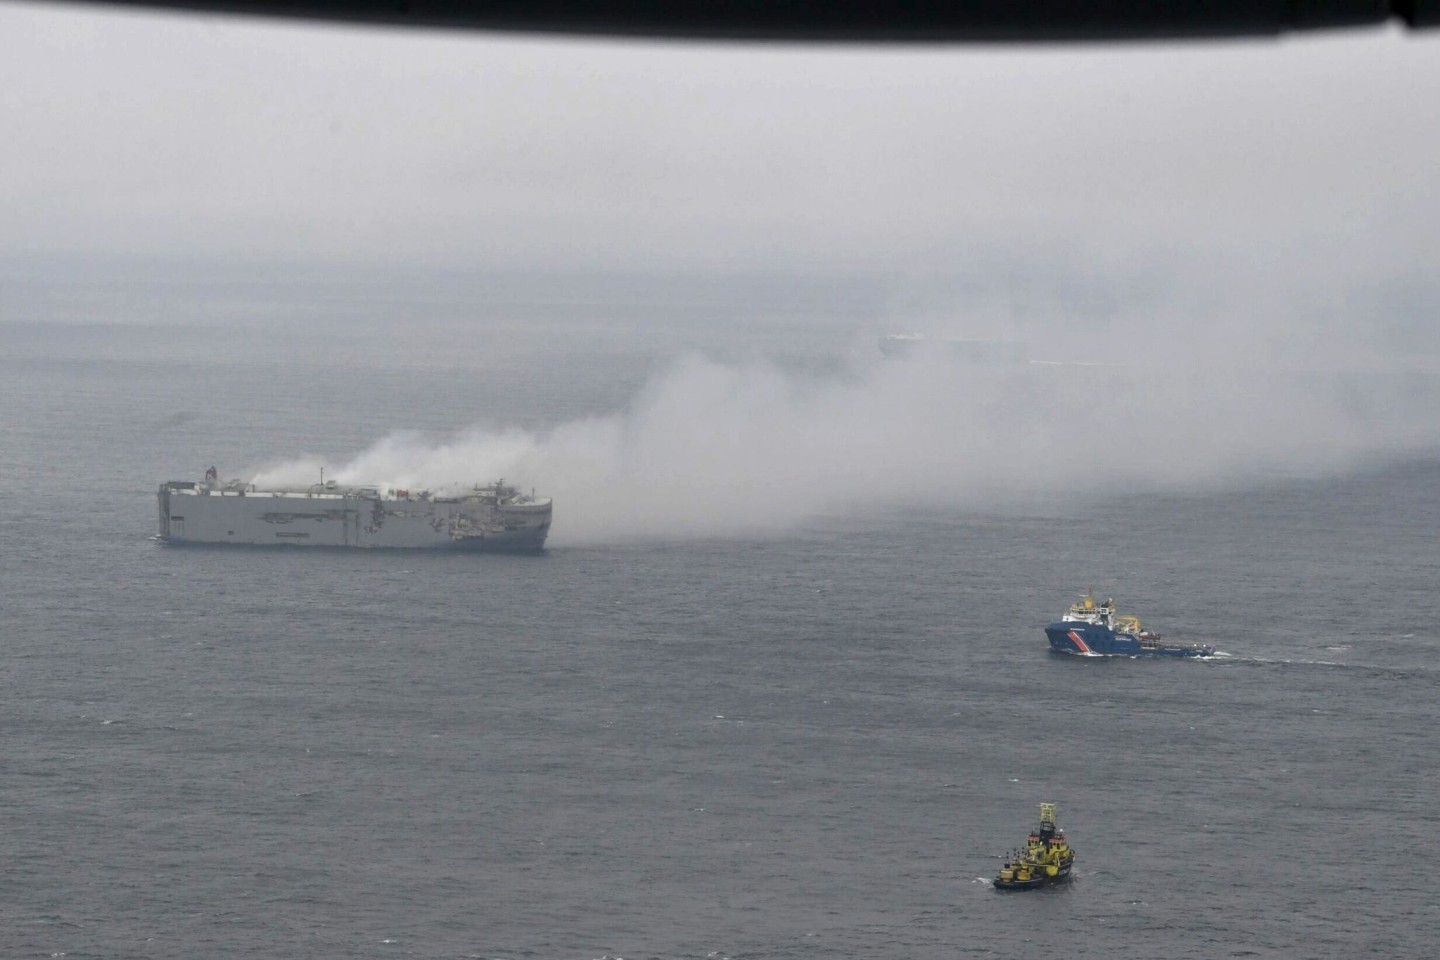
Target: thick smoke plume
714,449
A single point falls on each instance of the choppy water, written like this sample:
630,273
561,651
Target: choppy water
814,745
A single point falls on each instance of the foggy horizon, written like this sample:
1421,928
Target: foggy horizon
1241,234
150,134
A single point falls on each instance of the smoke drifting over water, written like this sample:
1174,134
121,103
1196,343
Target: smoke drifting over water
715,449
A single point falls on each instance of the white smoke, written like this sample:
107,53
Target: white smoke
714,449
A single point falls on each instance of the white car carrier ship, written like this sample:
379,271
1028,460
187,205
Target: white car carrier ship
494,517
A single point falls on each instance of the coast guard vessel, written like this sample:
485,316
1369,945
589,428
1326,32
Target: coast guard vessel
1095,629
1047,857
494,517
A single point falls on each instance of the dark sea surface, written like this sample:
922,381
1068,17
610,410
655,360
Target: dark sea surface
817,744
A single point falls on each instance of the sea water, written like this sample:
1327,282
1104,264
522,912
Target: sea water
816,743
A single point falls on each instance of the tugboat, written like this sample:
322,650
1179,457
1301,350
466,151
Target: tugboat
1095,629
1047,857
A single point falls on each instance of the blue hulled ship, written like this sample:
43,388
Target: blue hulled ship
1095,629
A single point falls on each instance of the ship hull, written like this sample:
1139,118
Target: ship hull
498,544
1080,638
1035,882
192,515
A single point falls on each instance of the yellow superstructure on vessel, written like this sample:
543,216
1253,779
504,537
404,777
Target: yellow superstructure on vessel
1046,858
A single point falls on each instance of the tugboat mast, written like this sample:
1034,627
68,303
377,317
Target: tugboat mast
1047,821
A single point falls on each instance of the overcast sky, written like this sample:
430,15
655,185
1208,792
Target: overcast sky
214,137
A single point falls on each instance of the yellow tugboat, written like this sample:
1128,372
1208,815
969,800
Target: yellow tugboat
1047,857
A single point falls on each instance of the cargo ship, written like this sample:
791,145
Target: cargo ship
1097,630
1046,859
328,514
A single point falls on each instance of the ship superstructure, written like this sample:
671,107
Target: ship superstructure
491,517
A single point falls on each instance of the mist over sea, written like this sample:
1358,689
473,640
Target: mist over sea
779,687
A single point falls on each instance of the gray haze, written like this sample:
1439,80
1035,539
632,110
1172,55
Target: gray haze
714,449
1243,235
227,138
